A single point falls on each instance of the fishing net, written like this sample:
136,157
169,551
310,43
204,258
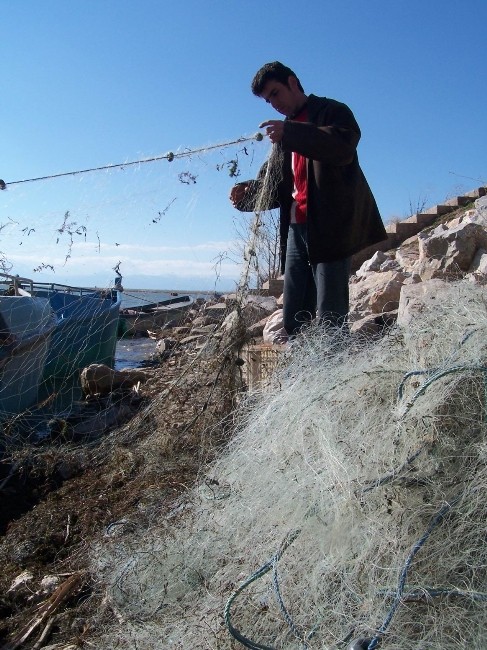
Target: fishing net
107,221
130,214
348,509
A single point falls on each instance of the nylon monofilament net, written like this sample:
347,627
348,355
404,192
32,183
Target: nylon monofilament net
106,220
348,509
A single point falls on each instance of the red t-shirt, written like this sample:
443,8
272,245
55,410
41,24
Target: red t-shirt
300,191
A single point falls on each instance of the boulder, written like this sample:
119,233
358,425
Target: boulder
203,329
376,293
217,310
407,255
266,303
449,252
415,296
257,329
372,264
249,314
99,379
201,321
478,269
374,325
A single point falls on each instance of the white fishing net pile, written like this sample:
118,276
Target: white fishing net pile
349,505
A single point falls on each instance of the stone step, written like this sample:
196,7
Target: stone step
423,219
403,228
476,194
274,286
458,201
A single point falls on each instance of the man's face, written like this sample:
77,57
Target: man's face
284,99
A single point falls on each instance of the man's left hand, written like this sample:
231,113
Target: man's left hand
274,129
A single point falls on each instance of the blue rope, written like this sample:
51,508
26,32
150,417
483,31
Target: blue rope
423,593
248,643
283,608
438,374
398,595
404,572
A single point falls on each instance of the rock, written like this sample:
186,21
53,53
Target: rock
99,379
248,315
257,329
373,264
203,329
478,270
48,584
253,312
201,321
449,252
171,324
266,303
217,310
415,296
197,338
94,427
230,299
407,255
181,330
20,581
230,321
376,293
69,467
390,264
373,325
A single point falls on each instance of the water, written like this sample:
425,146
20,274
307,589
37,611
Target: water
138,297
131,352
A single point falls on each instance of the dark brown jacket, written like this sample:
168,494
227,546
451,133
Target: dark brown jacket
342,216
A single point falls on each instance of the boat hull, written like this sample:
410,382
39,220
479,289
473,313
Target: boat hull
85,333
136,322
27,325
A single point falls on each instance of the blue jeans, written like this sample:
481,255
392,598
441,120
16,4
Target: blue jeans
319,290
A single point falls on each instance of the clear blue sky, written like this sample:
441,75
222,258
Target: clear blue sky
96,82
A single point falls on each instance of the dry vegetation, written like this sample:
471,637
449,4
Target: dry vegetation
58,498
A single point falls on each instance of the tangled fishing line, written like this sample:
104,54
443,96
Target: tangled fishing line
364,465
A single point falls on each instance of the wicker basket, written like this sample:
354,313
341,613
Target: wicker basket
260,363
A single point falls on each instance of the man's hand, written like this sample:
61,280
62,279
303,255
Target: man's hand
237,193
274,129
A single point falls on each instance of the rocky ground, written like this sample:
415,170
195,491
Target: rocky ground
84,482
58,497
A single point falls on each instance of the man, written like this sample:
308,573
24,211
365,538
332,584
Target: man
327,211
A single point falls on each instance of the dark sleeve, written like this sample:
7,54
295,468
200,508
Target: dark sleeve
332,141
260,195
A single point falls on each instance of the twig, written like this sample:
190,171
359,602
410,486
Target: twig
68,529
45,633
46,612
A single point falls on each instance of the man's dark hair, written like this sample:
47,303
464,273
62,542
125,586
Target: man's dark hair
274,71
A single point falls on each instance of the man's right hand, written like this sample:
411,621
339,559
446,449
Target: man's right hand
237,193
